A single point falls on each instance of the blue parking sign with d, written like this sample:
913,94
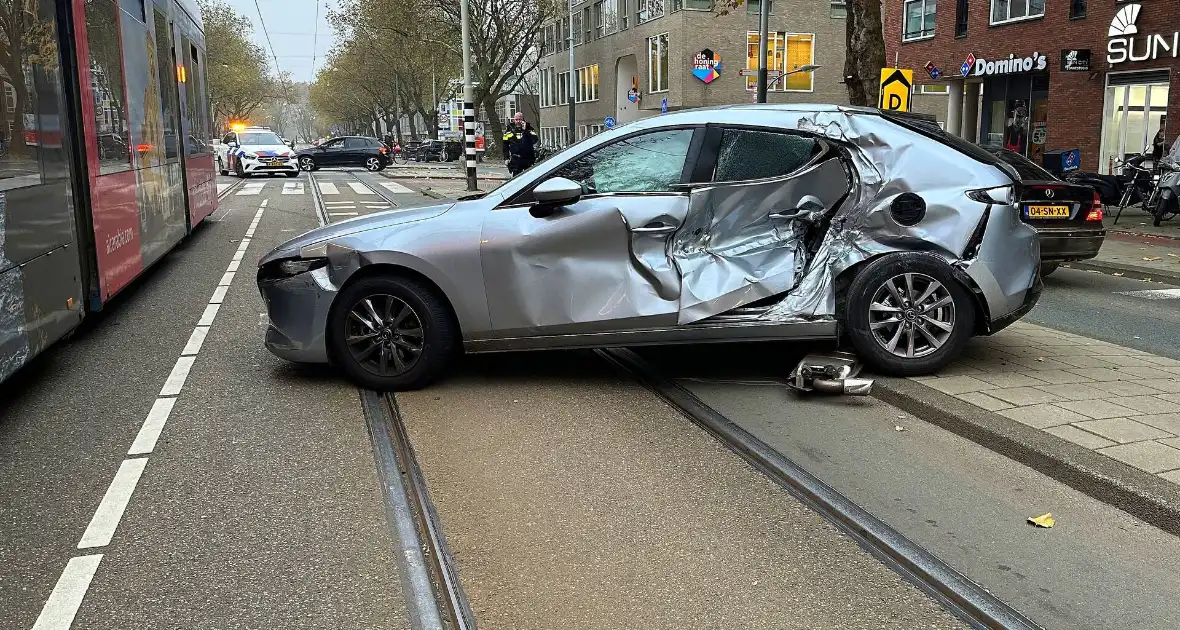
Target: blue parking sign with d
609,122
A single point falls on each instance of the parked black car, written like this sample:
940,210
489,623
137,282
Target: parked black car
1067,216
438,151
370,153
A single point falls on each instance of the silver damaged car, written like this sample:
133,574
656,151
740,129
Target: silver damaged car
743,223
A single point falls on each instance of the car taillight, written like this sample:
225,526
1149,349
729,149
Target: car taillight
1095,213
382,149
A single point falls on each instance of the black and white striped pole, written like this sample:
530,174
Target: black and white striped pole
468,97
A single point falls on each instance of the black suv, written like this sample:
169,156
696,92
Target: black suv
370,153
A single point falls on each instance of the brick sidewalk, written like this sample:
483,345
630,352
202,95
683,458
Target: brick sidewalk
1120,402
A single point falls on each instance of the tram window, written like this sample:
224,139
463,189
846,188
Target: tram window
136,8
206,111
167,76
30,116
110,103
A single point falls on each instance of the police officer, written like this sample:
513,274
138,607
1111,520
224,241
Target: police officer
520,143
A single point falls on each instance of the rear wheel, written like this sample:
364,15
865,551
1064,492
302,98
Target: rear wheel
307,163
391,333
373,164
221,167
907,315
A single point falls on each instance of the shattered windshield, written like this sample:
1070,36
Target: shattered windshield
652,162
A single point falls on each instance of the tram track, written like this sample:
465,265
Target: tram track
321,206
954,591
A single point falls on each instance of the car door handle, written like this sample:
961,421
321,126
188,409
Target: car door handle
655,228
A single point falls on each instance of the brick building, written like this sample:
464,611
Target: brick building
630,56
1093,75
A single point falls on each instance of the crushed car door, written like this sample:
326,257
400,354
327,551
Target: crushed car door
744,237
600,263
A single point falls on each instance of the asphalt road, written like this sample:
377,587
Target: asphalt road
1097,305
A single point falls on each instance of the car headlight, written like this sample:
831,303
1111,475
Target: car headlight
251,156
297,266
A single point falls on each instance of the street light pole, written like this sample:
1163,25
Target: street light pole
763,46
570,83
468,97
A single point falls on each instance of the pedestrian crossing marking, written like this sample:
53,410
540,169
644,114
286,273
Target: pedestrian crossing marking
251,188
1154,294
328,188
343,214
360,188
338,202
293,188
395,187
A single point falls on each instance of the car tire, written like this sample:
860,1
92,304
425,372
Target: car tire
438,331
869,313
1048,268
239,171
221,167
372,164
307,163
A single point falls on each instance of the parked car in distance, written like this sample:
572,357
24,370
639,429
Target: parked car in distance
438,151
1067,216
370,153
756,223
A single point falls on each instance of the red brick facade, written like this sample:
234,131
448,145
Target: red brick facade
1075,98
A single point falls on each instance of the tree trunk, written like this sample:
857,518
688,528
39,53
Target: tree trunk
866,52
3,112
495,150
413,117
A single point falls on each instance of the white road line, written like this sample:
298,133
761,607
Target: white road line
195,341
114,503
226,279
249,232
293,188
209,315
179,374
343,214
264,202
395,187
239,254
253,188
336,203
218,295
360,188
149,433
1153,294
62,605
328,188
233,265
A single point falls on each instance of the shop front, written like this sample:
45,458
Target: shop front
1015,109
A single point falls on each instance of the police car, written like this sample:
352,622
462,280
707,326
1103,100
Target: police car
254,151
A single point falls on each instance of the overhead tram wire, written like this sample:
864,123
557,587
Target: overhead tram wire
315,38
278,71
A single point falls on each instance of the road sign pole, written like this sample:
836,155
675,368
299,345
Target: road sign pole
570,86
468,97
763,46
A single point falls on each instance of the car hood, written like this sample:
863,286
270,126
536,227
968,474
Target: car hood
267,149
352,226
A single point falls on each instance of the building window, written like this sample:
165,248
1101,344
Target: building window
548,45
786,52
648,10
588,84
839,9
577,28
9,98
961,18
587,25
919,19
934,88
755,6
610,16
624,15
1012,10
599,25
562,88
658,70
1077,9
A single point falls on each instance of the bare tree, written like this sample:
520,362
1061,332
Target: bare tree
866,52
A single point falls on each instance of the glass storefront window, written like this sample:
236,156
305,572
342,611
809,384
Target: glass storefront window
1132,116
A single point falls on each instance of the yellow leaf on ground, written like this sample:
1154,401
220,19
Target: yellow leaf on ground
1044,520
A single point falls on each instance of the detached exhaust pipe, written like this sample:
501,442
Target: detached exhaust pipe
830,373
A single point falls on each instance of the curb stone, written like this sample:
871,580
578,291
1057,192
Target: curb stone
432,193
1147,497
1129,271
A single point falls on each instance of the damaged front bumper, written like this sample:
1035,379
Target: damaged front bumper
298,308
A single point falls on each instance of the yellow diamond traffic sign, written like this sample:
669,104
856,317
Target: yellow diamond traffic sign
896,87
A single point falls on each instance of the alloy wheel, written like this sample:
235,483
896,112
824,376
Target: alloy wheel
373,164
912,315
384,335
306,163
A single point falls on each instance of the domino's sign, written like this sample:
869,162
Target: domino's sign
1011,65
